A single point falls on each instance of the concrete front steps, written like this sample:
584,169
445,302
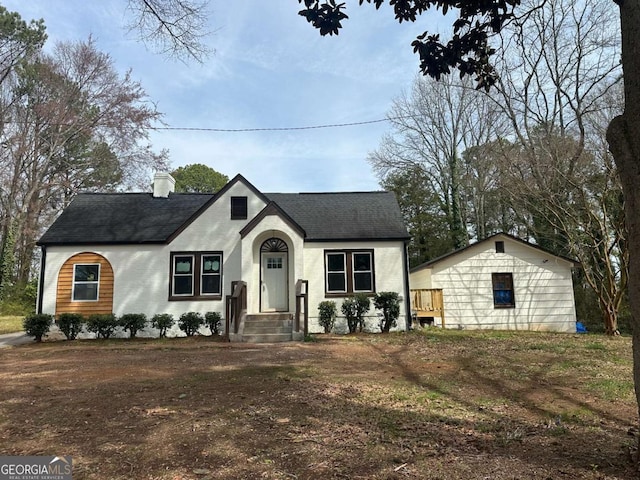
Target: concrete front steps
268,328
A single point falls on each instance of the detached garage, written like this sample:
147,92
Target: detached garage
502,283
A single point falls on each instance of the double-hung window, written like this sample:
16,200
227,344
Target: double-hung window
196,275
211,274
86,281
349,271
182,283
503,296
336,267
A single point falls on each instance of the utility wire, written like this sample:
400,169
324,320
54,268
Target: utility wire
277,129
261,129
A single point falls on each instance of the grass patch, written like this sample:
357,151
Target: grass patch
549,347
611,388
11,324
595,346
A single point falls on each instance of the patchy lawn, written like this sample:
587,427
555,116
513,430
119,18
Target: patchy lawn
11,324
432,405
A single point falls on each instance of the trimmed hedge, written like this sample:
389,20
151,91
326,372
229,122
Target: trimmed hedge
213,320
163,322
354,309
133,322
70,324
37,325
327,312
102,324
190,323
389,303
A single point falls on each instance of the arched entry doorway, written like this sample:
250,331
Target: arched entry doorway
274,275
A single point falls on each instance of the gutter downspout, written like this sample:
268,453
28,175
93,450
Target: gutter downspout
407,291
43,262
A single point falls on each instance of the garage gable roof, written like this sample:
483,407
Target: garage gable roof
493,237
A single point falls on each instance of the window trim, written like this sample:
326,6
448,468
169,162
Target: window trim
344,272
74,283
202,274
196,274
174,274
243,214
349,272
494,279
354,271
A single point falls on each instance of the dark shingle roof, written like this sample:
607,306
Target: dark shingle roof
139,218
344,216
95,218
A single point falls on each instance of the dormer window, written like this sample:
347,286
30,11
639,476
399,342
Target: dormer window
238,208
500,247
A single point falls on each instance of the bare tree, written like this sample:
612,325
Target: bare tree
76,124
489,208
176,28
432,126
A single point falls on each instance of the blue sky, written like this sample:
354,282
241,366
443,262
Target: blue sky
270,69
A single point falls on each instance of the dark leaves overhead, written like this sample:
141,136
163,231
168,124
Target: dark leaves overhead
326,17
468,50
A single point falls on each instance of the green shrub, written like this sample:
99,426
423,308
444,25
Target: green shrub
389,303
327,312
102,324
354,309
133,322
190,322
213,320
70,324
37,325
163,322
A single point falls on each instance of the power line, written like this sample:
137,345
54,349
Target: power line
258,129
277,129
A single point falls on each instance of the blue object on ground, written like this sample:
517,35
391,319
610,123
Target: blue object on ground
580,328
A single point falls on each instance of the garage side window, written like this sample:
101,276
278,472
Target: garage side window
503,296
86,281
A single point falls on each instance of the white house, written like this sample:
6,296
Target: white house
251,256
504,283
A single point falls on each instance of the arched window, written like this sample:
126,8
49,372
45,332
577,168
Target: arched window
274,245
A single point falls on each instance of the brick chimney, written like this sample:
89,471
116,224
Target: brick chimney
163,184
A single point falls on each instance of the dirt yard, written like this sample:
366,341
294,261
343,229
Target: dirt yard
434,405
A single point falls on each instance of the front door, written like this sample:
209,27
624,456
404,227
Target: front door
274,282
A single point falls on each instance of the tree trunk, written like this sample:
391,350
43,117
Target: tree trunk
610,314
623,136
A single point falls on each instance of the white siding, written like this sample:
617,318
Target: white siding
389,277
421,278
543,288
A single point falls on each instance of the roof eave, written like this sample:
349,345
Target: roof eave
121,242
